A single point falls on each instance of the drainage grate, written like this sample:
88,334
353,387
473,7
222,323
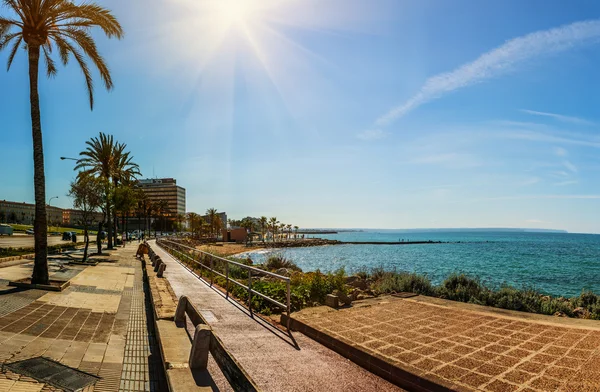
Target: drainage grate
56,374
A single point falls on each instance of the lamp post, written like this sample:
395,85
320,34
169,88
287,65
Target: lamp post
49,201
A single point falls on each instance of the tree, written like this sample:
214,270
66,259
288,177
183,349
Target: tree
180,219
86,192
264,222
107,160
248,224
273,225
124,171
211,217
296,232
43,25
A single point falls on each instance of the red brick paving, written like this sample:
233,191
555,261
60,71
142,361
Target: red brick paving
468,349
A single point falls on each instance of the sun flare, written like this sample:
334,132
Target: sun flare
232,13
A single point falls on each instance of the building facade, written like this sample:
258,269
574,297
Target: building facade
72,217
24,213
157,189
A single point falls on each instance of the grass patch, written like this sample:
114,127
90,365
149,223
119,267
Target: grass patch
51,229
11,252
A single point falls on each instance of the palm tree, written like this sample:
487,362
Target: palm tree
211,217
263,221
124,171
296,232
289,231
99,160
43,25
273,222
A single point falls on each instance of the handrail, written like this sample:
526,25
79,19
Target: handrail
165,244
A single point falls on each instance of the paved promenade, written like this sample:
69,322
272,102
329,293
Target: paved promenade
98,325
469,347
269,356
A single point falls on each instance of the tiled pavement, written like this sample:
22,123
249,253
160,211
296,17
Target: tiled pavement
97,325
265,353
468,347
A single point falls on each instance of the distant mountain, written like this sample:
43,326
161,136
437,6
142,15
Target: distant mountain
492,229
458,230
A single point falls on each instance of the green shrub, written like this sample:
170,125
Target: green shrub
460,287
391,282
277,261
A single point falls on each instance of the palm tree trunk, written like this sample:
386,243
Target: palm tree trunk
40,266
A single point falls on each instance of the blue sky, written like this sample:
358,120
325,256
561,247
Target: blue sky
339,113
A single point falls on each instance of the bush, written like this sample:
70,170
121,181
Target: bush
311,288
391,282
277,261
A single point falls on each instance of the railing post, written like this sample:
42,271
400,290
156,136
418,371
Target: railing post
250,291
212,272
227,280
288,305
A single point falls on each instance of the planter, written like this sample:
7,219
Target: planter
54,285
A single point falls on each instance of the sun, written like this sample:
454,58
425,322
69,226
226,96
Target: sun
234,13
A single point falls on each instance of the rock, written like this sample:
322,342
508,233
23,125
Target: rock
363,296
560,314
581,312
355,293
545,297
343,297
283,272
359,284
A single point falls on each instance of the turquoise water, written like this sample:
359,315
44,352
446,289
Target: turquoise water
555,263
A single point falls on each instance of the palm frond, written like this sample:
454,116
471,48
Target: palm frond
13,52
50,67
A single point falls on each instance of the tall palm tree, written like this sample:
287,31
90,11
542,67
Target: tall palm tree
43,25
296,232
273,225
263,221
99,160
124,171
211,217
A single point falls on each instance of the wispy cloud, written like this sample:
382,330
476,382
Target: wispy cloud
530,181
561,152
570,166
559,117
499,61
372,134
565,183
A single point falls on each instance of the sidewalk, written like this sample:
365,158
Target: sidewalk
97,325
270,356
468,347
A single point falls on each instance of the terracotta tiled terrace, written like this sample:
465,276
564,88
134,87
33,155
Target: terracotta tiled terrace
468,347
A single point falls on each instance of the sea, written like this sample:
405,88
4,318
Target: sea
560,264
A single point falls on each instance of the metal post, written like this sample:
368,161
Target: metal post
212,273
288,305
250,291
227,280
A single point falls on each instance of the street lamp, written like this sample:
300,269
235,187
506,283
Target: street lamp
49,201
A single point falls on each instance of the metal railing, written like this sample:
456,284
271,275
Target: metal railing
251,271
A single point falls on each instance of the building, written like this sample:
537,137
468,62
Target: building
24,213
157,189
71,217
